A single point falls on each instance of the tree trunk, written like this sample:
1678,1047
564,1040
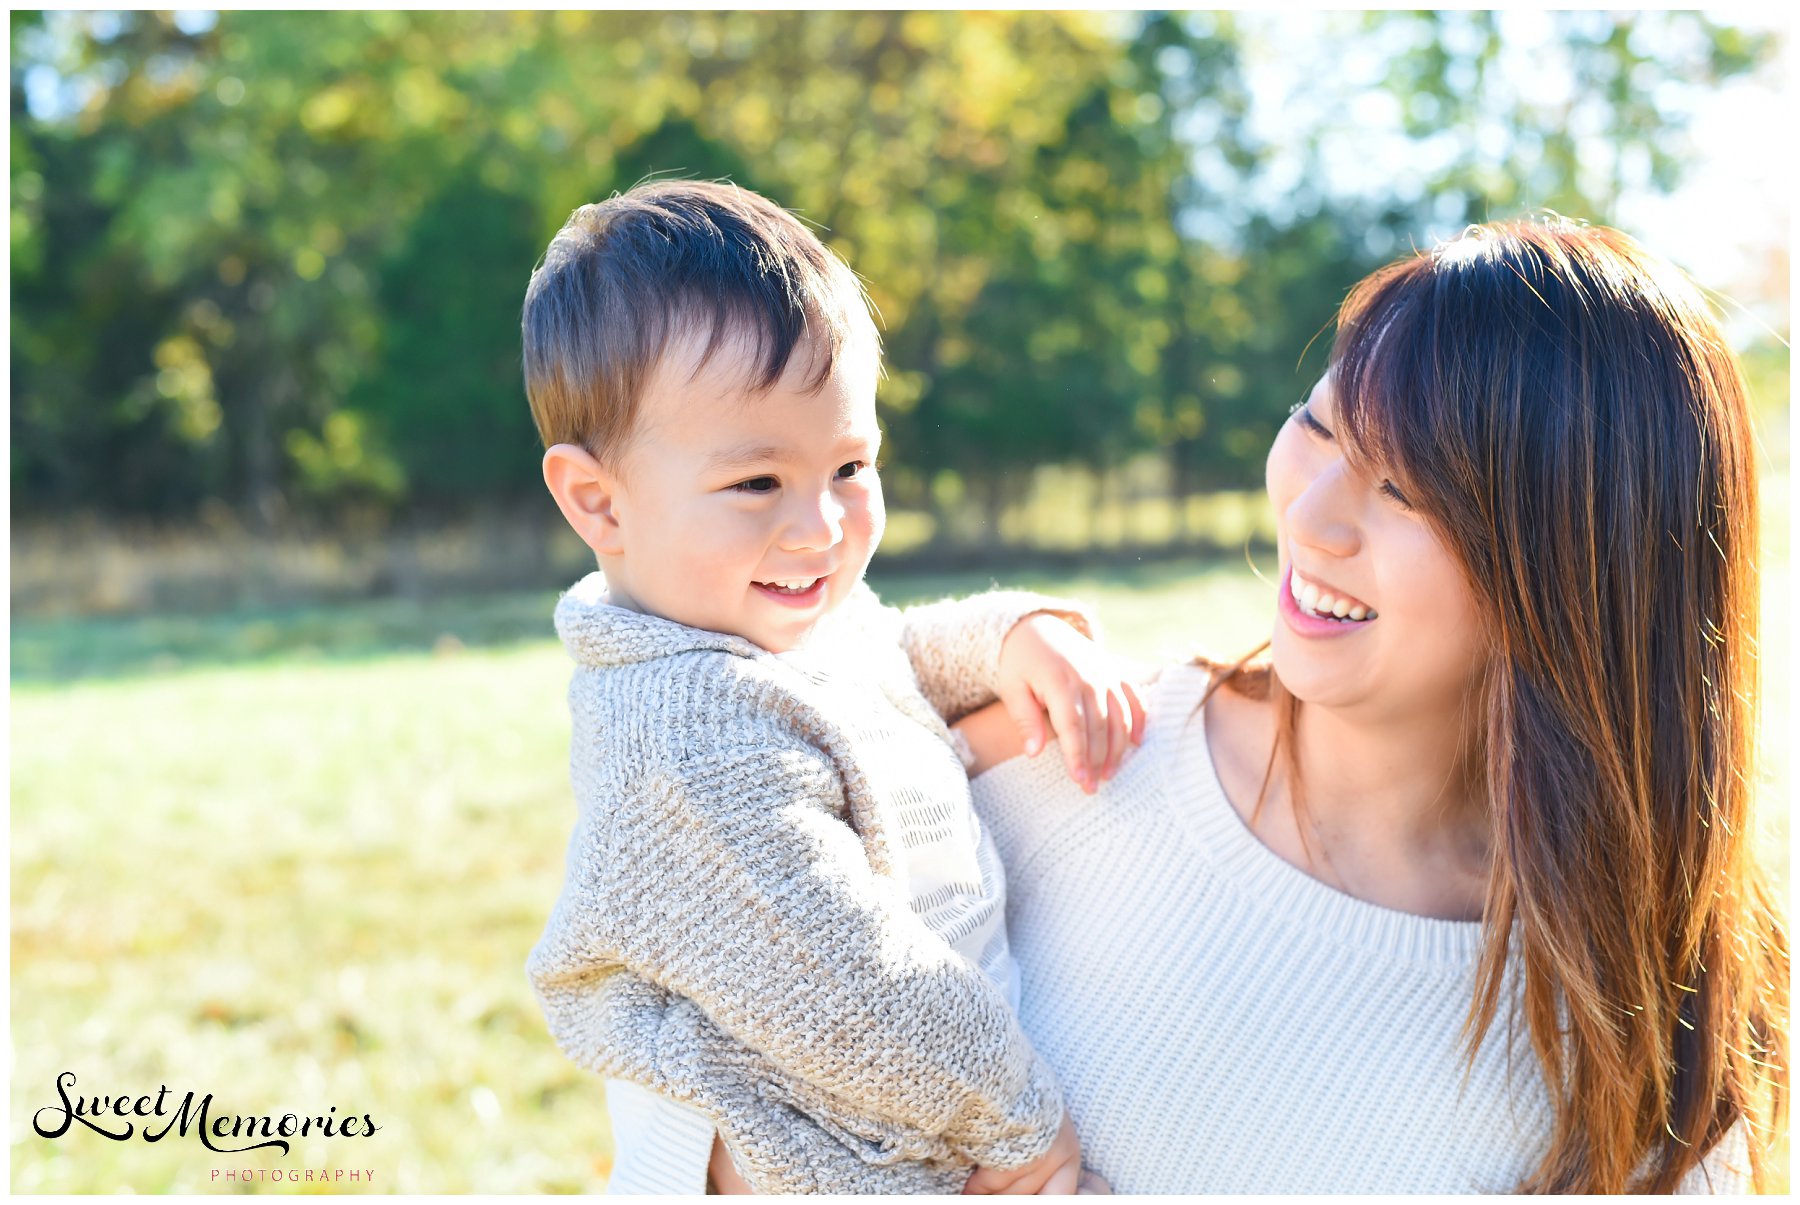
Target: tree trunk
993,505
262,498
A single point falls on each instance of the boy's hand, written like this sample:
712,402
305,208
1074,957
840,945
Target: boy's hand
1056,1171
1046,665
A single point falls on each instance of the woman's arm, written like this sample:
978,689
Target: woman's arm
992,737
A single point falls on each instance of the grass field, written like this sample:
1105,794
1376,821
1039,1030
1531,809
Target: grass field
296,859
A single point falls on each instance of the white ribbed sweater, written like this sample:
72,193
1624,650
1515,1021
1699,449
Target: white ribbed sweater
1222,1022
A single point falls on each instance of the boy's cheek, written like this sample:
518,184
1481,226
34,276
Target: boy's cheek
877,519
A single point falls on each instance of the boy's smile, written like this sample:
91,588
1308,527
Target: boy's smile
753,513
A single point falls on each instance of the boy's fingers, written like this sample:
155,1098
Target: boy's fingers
1116,736
1071,725
1093,1185
1065,1181
1024,1186
986,1181
1022,706
1098,729
1138,722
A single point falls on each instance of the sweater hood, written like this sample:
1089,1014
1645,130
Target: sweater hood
599,634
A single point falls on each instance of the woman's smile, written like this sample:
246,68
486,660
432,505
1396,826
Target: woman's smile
1339,526
1326,600
1310,612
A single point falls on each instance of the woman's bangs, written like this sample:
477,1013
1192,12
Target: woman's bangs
1382,404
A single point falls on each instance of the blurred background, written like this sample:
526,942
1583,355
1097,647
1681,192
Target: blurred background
287,723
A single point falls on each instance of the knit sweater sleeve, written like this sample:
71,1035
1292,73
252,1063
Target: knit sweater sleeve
736,883
954,645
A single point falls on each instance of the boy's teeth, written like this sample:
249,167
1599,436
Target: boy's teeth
799,587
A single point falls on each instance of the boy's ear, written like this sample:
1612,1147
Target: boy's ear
587,496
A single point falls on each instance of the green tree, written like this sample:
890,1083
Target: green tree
274,260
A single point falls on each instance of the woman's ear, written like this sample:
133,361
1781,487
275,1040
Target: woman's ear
587,495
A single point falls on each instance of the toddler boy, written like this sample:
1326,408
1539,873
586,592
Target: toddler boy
781,921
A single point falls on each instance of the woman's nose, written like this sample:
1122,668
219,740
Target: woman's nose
816,523
1322,516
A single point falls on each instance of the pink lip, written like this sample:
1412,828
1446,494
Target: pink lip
800,601
1304,623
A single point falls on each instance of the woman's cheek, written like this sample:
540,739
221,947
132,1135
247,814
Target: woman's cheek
1280,471
1447,631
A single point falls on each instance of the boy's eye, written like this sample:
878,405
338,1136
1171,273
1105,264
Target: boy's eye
757,485
851,468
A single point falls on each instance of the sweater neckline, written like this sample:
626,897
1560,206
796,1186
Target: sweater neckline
1190,783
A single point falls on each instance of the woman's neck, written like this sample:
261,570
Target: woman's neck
1396,807
1390,809
1415,778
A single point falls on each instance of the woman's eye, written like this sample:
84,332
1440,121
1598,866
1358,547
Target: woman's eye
1312,424
851,468
757,485
1393,491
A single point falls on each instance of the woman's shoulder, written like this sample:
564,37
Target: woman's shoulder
1026,801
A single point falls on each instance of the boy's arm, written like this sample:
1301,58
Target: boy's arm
954,645
1040,657
735,884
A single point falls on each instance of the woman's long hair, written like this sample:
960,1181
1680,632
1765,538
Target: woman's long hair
1563,408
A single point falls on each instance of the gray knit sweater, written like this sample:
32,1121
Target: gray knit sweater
731,933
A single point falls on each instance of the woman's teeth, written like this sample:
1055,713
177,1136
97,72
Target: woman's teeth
1326,606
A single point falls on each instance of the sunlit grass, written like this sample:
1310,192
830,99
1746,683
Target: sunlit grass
296,859
298,887
311,880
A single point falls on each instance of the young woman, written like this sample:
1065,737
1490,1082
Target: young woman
1455,889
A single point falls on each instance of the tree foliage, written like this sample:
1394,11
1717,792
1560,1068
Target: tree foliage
273,260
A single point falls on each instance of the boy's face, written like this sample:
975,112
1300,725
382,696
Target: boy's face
753,514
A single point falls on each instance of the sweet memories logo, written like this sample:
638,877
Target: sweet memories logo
112,1117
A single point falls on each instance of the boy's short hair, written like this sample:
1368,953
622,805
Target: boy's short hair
672,259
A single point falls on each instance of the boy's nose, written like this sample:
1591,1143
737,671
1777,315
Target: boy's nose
817,523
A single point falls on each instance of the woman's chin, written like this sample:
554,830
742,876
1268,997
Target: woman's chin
1303,674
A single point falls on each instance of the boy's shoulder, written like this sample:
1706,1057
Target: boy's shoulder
654,693
861,624
599,635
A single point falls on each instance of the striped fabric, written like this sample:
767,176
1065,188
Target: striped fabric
659,1146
